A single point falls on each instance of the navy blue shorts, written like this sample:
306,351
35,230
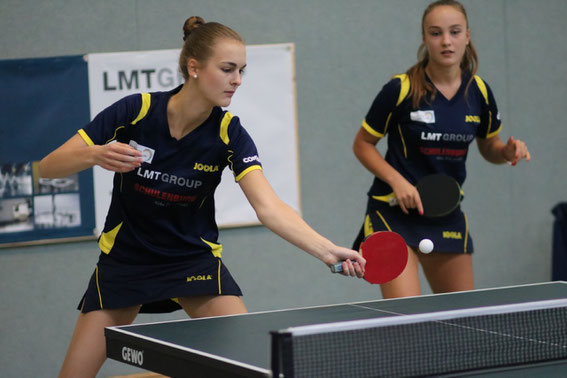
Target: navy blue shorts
449,234
157,286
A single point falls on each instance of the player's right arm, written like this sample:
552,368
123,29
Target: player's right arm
76,155
375,126
96,143
364,148
285,222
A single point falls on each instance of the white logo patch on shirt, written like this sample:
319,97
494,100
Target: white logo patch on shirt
250,159
425,116
147,153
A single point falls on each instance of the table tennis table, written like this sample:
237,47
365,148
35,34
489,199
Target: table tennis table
242,346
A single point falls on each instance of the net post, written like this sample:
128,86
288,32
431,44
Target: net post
282,355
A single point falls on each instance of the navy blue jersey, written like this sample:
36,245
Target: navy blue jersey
164,210
435,137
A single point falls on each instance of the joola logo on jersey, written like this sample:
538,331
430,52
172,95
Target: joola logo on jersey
250,159
446,137
452,235
425,116
201,277
206,167
167,178
472,119
133,356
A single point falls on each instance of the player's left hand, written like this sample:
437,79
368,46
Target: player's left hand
515,151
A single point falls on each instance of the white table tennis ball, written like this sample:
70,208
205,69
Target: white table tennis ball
426,246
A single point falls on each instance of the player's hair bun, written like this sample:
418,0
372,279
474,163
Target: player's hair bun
199,41
191,24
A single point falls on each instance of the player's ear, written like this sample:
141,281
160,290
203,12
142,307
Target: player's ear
192,67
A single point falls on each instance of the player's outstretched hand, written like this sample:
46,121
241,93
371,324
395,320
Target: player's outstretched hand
515,151
353,262
118,157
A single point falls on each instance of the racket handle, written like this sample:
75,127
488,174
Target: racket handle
393,202
337,268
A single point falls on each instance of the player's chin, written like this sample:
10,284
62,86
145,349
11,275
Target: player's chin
224,102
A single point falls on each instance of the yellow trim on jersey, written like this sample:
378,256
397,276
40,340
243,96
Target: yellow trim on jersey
202,202
86,138
230,161
224,127
403,141
404,88
466,233
216,249
246,171
482,87
490,135
387,123
489,123
114,136
107,239
370,130
219,278
387,198
98,289
367,226
146,100
383,220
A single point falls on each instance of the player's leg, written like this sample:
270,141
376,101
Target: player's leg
212,305
87,349
407,283
448,272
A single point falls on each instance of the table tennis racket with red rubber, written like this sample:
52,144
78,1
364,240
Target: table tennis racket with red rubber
440,194
386,257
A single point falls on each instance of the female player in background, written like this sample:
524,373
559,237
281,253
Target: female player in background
159,246
431,114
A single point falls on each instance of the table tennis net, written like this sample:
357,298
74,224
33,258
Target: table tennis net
426,344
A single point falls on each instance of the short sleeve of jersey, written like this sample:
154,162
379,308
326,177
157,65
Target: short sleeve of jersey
377,119
102,129
490,123
243,155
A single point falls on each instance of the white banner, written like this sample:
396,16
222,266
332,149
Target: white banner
265,104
